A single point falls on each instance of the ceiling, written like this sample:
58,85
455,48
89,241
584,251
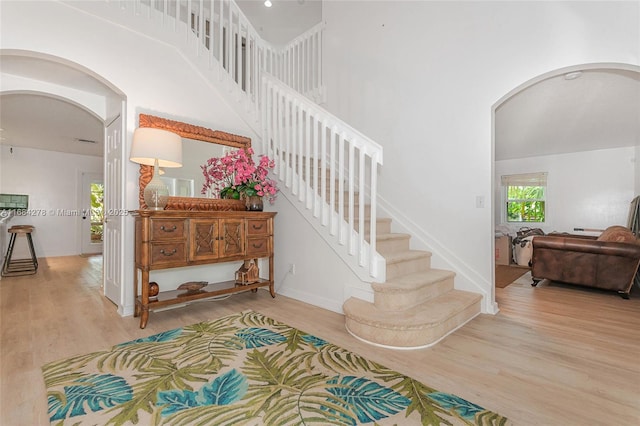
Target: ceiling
43,121
598,110
284,20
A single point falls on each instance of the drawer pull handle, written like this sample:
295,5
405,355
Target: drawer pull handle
256,227
168,230
169,254
257,245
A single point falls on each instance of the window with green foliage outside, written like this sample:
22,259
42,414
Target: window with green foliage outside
525,197
97,212
525,204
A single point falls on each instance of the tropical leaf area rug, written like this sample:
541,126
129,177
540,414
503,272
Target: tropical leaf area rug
243,369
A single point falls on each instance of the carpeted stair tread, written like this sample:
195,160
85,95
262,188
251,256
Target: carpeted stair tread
413,281
426,315
392,236
402,256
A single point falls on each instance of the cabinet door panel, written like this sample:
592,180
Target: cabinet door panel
204,240
231,237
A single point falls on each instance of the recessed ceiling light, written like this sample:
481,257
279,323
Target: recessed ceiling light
572,75
268,3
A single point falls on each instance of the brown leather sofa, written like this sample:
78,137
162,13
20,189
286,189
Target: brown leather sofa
607,262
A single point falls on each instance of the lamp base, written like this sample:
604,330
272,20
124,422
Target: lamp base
156,194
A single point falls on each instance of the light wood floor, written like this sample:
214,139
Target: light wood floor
554,355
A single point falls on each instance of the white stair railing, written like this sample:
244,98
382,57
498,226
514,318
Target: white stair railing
329,167
308,141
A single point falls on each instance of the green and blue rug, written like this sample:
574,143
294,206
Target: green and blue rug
243,369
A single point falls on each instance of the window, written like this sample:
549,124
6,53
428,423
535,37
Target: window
525,197
97,212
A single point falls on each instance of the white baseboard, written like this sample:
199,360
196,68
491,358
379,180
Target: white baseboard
312,299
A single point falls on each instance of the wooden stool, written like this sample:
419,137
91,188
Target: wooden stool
20,266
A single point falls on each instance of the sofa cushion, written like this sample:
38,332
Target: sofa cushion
618,234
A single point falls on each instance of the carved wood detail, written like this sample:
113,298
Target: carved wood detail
191,131
199,133
204,204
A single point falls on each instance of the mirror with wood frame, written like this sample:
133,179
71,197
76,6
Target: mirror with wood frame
197,133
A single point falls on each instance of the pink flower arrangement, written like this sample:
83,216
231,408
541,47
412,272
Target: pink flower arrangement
236,175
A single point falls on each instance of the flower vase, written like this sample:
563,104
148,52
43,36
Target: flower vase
254,203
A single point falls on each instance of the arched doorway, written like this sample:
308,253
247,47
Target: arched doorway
29,72
580,125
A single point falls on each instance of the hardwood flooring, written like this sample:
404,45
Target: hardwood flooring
554,355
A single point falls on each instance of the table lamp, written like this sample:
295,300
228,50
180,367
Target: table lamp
157,148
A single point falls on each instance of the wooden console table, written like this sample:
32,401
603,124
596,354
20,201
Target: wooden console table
172,239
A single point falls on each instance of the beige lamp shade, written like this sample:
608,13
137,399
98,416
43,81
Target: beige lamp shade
151,144
157,148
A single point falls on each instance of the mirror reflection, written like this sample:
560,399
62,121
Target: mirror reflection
187,181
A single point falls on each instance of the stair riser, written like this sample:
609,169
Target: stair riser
413,338
356,212
398,301
410,266
393,245
336,191
382,227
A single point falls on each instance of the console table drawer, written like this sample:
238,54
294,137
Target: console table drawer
167,229
258,227
257,247
168,253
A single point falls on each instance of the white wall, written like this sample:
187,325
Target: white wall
589,189
636,176
421,78
52,180
321,278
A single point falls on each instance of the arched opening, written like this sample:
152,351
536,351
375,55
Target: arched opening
578,124
57,115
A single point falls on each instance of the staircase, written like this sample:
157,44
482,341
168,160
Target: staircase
416,307
276,90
